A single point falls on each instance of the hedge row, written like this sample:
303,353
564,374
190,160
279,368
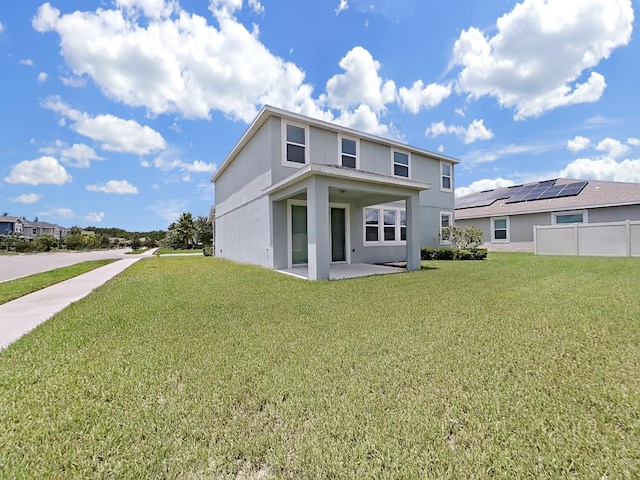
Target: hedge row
448,253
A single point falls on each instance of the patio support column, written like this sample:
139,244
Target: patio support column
318,228
413,231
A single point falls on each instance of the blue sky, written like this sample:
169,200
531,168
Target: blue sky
115,113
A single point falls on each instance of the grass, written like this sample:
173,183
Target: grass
13,289
165,250
137,252
514,367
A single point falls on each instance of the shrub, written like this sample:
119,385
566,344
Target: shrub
450,253
463,238
480,253
428,253
207,251
465,255
446,253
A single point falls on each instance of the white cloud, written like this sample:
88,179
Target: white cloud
613,148
117,135
578,143
1,27
78,155
153,54
198,166
43,171
364,119
475,131
95,217
482,185
256,6
42,77
65,213
419,96
120,187
27,61
606,169
360,84
460,112
27,198
441,148
634,141
342,6
75,82
515,66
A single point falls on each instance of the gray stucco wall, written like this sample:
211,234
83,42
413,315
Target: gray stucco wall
614,214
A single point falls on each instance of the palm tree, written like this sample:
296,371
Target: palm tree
185,229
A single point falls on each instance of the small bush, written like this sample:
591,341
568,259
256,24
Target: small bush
480,253
465,255
428,253
207,251
450,253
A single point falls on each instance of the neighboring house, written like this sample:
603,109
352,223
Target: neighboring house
11,225
296,190
30,230
507,215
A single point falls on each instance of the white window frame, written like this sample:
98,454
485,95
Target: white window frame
443,176
450,215
493,230
393,163
286,162
381,241
555,215
341,153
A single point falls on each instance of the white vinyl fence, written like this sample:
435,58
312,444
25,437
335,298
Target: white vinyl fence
613,239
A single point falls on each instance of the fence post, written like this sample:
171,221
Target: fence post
576,239
627,234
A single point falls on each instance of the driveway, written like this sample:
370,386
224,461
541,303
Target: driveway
16,266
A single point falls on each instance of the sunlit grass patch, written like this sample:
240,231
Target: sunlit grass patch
515,367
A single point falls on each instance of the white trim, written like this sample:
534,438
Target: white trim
442,175
381,241
450,215
347,228
493,231
555,215
393,163
306,145
340,153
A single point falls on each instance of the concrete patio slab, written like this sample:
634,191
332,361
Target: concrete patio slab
340,271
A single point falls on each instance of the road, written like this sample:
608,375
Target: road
16,266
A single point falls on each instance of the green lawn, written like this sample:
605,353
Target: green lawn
514,367
22,286
164,251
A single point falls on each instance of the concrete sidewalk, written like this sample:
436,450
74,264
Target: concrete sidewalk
22,315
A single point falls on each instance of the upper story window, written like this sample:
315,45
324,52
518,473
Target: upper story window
446,173
400,164
348,152
296,141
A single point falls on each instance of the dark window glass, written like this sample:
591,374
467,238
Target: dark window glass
576,218
389,234
372,234
401,158
501,234
348,146
295,153
446,183
401,171
295,134
348,161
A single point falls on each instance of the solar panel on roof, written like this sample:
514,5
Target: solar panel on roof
572,189
551,192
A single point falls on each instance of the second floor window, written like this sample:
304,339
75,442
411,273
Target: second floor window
296,144
348,153
446,172
401,164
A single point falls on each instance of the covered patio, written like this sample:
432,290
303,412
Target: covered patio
339,271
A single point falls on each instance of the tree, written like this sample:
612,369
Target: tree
5,214
185,230
204,231
44,242
35,219
136,244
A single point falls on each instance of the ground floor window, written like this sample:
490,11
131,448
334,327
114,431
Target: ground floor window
569,217
500,229
385,225
446,221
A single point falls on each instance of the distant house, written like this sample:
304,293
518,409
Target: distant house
11,225
30,230
507,215
300,191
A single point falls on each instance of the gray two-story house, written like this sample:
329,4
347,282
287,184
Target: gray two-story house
300,191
